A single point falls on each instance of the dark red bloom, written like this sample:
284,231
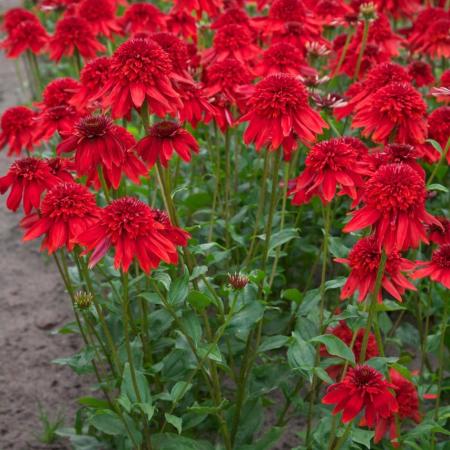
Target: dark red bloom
436,41
176,49
235,15
15,16
59,92
330,164
18,130
61,168
27,35
438,269
362,388
329,10
381,34
394,206
364,261
277,109
440,234
439,127
141,71
182,24
28,178
74,34
174,234
210,7
421,73
128,225
67,210
55,119
196,106
100,14
396,108
162,140
142,17
398,8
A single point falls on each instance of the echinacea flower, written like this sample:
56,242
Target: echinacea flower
440,234
141,71
66,210
27,35
364,261
128,225
182,24
100,14
233,15
18,130
394,206
162,140
438,269
176,235
277,109
27,178
396,110
61,168
59,92
142,17
329,165
55,119
421,73
398,8
436,41
363,388
15,16
210,7
196,106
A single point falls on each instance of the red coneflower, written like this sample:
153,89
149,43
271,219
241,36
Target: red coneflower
421,73
329,10
28,178
439,127
66,210
440,234
162,140
329,164
397,8
297,34
141,71
278,108
210,7
59,92
234,15
436,41
176,49
14,16
55,119
18,130
362,388
438,269
93,78
196,106
72,34
128,225
396,108
364,261
394,200
61,168
182,24
381,34
95,146
142,17
442,93
100,14
27,35
174,234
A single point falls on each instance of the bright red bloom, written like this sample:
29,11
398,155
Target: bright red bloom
235,15
74,34
141,71
329,10
284,58
95,146
232,41
18,130
210,7
296,33
396,108
67,210
442,93
15,16
55,119
61,168
162,140
398,8
439,127
128,225
176,49
394,200
381,34
421,73
277,109
100,14
362,388
437,39
142,17
28,178
59,92
27,35
438,269
174,234
440,234
196,106
182,24
93,78
329,164
364,260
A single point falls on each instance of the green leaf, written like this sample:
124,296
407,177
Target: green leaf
148,409
108,423
93,402
301,354
243,320
293,295
175,421
437,187
267,441
323,375
335,346
336,283
163,278
435,144
170,441
272,343
389,305
127,388
192,326
281,237
199,300
179,390
362,437
179,290
337,247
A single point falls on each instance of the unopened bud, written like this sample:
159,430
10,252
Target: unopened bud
368,11
237,280
83,300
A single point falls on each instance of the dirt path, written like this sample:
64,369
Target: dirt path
32,303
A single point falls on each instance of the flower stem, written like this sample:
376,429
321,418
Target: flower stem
365,36
344,437
441,160
343,53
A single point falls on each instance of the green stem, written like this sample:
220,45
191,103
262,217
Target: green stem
104,185
441,356
343,53
344,437
440,162
77,62
227,185
365,36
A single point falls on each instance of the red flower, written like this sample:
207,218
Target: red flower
55,119
59,92
61,168
128,225
210,7
18,130
67,210
296,33
364,261
345,334
439,127
74,34
142,17
436,41
398,8
362,388
28,178
421,73
173,234
285,58
381,34
100,14
277,109
195,104
396,108
235,15
440,234
141,71
177,51
162,140
93,78
394,200
27,35
15,16
329,164
95,146
182,24
329,10
438,269
232,41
